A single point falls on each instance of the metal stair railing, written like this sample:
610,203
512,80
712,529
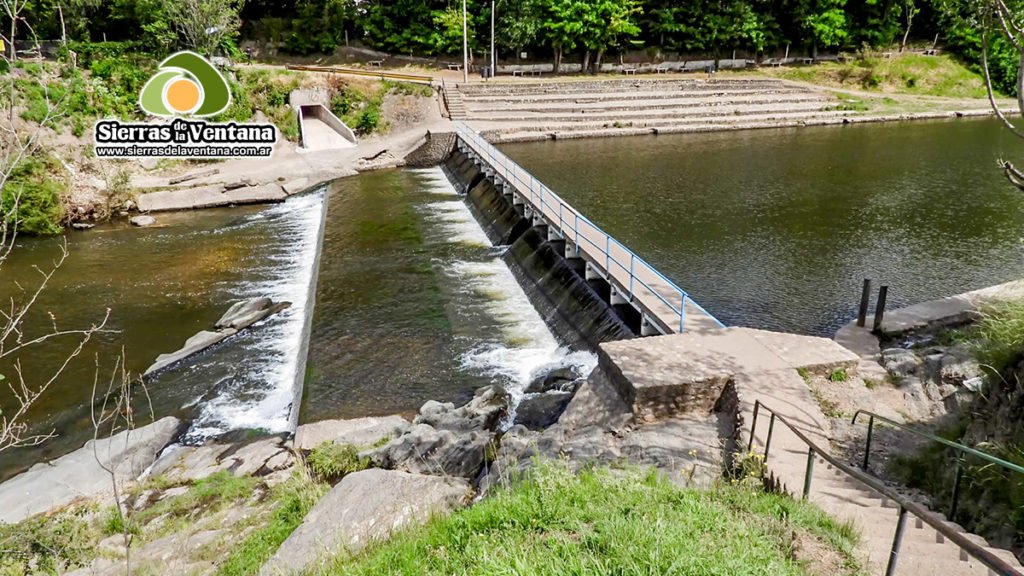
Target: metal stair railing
957,447
991,561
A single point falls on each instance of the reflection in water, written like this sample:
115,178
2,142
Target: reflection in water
776,228
413,304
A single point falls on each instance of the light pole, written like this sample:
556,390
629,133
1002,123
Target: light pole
465,45
494,69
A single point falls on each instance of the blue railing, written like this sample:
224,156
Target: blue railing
624,270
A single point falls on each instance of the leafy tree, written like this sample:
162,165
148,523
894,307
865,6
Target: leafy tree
825,22
204,25
608,22
519,23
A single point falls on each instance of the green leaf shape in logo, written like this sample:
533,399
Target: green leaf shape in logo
215,93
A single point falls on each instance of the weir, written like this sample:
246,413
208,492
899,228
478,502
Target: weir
519,207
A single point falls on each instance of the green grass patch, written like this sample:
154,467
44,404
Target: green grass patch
31,197
206,496
292,500
838,375
998,338
940,75
49,544
329,462
611,522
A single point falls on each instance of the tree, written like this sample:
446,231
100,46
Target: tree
826,23
519,23
909,10
205,24
608,21
13,9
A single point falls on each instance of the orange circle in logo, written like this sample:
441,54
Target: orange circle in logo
182,95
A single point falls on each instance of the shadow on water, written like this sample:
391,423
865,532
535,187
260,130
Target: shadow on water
776,228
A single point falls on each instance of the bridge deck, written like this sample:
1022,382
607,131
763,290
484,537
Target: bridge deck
632,279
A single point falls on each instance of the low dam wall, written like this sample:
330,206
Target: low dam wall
587,285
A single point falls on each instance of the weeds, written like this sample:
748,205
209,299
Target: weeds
998,338
329,462
838,375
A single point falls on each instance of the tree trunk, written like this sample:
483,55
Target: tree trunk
14,30
597,61
586,62
1020,82
558,60
906,34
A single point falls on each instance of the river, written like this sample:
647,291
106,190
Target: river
776,229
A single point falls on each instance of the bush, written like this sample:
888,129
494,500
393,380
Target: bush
329,461
32,196
999,335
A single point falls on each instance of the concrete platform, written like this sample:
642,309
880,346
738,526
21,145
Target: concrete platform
678,373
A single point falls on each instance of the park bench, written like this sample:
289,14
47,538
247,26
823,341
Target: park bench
453,66
376,63
663,69
629,71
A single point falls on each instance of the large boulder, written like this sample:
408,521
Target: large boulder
900,362
85,473
563,379
538,411
364,507
358,432
427,450
259,457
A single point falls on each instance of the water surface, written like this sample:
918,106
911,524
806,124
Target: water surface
777,228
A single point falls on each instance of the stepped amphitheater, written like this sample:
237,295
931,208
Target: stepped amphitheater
512,111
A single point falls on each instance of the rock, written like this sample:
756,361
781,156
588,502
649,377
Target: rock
239,316
245,313
197,343
359,432
899,362
958,366
538,411
561,379
974,384
364,507
295,186
483,412
259,457
239,184
143,220
424,449
129,205
251,458
53,484
81,225
148,162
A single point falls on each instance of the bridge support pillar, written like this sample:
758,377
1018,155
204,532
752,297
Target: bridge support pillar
591,273
554,234
617,297
570,251
517,199
648,328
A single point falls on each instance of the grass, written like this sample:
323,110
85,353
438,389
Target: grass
206,496
49,544
909,73
828,407
329,462
998,338
291,500
838,375
612,522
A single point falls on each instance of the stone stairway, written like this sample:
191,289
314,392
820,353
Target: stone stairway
454,102
923,551
525,110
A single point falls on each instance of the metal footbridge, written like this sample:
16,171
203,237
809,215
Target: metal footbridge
664,307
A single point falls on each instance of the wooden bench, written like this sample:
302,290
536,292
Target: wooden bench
376,63
807,60
454,66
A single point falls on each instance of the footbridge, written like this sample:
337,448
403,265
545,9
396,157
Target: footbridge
664,307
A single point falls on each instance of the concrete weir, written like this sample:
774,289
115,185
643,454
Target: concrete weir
589,284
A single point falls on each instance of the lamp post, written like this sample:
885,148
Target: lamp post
494,69
465,45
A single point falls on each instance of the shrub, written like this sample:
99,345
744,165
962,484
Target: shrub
999,335
32,196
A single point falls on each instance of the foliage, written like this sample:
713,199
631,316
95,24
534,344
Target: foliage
292,500
208,495
558,522
36,185
329,461
998,338
48,544
838,375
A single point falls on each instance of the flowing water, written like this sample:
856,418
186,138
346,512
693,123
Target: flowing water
415,304
162,285
777,228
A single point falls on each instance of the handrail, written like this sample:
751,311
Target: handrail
550,206
955,497
990,560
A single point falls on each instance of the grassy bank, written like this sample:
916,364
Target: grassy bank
614,522
915,74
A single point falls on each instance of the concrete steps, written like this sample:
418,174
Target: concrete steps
630,96
598,86
455,104
724,109
923,551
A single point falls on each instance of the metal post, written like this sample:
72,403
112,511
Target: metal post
956,491
494,70
768,441
753,427
465,45
608,256
632,262
865,296
883,292
867,446
897,539
809,473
